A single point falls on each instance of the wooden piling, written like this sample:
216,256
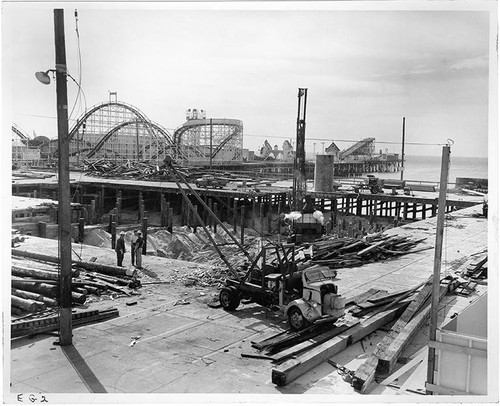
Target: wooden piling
42,229
144,233
81,229
216,210
235,216
242,225
113,234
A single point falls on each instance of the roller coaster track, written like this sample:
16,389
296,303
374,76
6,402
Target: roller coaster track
352,149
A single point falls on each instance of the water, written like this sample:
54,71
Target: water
428,168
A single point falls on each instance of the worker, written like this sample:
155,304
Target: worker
138,250
133,241
120,248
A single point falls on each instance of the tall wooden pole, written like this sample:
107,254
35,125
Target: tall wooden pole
64,203
443,184
403,151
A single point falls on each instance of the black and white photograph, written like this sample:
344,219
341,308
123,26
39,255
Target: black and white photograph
250,202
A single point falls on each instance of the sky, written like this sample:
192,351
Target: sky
365,69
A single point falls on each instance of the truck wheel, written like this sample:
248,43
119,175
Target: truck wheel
296,319
229,298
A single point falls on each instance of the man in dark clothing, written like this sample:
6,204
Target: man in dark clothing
138,250
120,248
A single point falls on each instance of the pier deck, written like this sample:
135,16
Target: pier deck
180,345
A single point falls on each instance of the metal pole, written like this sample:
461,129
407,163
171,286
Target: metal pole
437,260
403,151
64,203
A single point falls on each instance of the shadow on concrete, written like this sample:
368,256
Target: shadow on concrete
83,370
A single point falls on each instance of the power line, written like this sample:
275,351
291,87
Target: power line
341,140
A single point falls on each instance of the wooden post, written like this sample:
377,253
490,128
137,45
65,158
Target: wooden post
110,222
437,262
118,207
42,229
261,217
141,207
215,211
359,206
235,216
113,234
170,227
242,224
145,232
405,211
211,206
195,222
254,212
424,208
93,218
81,229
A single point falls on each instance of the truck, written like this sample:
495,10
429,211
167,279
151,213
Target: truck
211,181
305,296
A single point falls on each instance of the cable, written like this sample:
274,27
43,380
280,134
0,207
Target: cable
79,65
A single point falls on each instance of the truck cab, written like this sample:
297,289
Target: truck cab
320,299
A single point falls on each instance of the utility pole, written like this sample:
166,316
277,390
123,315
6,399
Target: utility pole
403,151
299,179
443,185
64,203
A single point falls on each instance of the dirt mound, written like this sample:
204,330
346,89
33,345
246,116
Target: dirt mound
97,238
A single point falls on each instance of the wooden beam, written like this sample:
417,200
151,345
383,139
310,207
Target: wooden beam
292,369
459,349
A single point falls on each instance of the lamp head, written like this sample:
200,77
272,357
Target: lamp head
43,77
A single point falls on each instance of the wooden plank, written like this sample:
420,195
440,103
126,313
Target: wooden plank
365,373
383,298
458,349
319,339
292,369
389,357
361,297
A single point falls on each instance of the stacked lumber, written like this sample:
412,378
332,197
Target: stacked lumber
383,359
295,353
303,362
35,286
350,252
478,270
35,325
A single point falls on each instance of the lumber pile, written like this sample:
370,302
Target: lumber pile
131,169
350,252
50,322
383,359
35,285
295,353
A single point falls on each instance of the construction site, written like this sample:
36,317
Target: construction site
147,261
318,286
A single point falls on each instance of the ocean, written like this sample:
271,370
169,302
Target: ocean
428,168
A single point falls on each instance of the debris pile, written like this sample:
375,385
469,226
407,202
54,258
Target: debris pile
295,353
131,169
350,252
